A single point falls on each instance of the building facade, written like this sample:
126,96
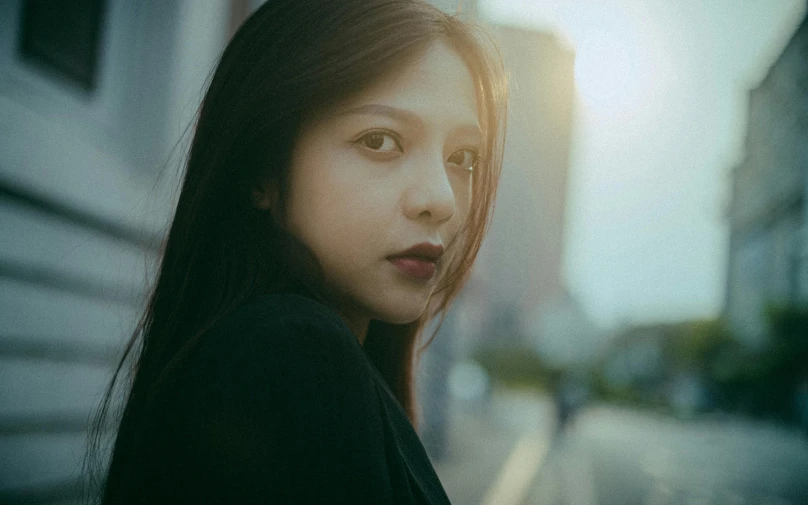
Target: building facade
768,257
522,254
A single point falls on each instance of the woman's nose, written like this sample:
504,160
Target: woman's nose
430,196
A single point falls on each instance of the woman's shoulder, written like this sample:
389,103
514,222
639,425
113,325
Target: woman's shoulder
279,396
282,318
280,352
278,310
282,336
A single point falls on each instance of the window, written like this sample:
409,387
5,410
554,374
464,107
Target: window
63,37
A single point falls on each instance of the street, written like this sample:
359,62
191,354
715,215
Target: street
496,449
614,456
507,455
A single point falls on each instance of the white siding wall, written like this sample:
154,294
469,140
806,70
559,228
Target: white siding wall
85,188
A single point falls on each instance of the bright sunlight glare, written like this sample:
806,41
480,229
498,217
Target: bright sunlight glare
610,78
621,65
618,66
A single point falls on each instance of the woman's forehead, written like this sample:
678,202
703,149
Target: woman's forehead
437,87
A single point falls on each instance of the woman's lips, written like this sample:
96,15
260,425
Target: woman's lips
415,267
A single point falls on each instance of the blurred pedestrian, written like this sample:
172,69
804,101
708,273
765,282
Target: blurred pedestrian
570,394
341,175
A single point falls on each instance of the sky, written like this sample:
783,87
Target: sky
662,89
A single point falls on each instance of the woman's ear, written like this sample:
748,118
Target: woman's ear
264,195
260,199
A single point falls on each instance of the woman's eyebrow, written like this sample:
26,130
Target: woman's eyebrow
405,116
372,109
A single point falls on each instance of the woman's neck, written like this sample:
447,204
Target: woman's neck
358,326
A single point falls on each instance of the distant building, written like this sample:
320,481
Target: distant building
519,267
768,256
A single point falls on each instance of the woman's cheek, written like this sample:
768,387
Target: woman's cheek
465,203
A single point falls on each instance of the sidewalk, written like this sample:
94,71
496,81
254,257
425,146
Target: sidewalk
495,450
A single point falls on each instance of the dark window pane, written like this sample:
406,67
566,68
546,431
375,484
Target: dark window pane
63,36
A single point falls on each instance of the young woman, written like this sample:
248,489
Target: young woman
340,178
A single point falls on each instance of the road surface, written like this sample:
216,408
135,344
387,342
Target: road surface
613,456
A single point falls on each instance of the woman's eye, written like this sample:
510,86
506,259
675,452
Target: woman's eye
380,141
465,159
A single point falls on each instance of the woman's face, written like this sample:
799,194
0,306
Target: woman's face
389,171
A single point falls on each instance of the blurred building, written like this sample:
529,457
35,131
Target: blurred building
518,271
94,95
768,257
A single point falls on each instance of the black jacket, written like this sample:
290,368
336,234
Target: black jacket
280,403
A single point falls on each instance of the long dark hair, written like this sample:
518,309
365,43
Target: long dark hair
290,60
